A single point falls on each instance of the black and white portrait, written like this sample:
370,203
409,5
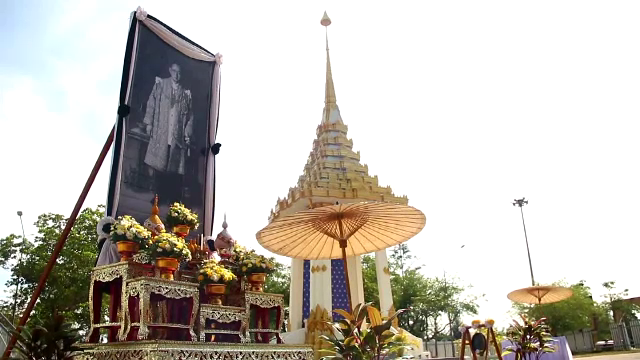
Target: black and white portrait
166,136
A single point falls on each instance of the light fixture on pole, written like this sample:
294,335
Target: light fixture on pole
520,203
536,294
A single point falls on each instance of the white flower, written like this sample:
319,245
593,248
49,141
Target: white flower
141,14
129,235
218,58
489,323
120,232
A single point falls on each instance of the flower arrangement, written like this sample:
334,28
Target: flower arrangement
239,253
180,215
167,245
252,263
127,228
213,273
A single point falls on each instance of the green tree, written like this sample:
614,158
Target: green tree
573,314
67,290
370,280
615,302
279,281
9,247
435,305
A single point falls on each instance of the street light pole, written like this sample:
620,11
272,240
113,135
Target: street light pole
15,296
520,203
446,289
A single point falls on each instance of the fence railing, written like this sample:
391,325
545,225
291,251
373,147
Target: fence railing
580,341
634,329
6,326
443,349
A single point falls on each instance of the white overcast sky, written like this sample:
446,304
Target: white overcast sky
461,105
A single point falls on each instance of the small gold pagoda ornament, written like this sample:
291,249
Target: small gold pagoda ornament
153,223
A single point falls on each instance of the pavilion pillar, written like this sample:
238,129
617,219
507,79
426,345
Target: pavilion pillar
384,282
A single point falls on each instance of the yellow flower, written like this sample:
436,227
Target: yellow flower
244,268
200,278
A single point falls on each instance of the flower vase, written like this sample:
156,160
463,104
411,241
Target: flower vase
127,249
215,293
167,267
181,230
257,281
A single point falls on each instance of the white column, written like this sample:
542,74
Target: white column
321,285
384,282
354,265
295,294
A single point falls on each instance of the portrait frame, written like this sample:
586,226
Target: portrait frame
177,114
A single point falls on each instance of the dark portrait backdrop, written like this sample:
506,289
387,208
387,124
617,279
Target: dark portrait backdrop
139,181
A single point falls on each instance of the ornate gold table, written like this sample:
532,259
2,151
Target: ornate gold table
213,316
111,277
143,289
183,350
263,303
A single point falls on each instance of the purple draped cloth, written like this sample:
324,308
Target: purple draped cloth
563,352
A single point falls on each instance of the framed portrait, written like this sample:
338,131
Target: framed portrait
166,126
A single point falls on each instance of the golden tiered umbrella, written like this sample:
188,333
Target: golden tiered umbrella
540,294
338,231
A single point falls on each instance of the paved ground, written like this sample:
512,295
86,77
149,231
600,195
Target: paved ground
630,356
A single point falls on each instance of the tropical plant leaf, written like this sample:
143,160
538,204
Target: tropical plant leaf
375,319
344,314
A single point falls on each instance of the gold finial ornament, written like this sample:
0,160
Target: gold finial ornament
329,90
325,21
153,223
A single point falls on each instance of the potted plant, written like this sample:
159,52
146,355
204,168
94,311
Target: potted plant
55,339
214,278
129,237
255,267
529,339
363,335
181,220
168,250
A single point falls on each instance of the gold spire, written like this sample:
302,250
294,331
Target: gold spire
329,91
333,171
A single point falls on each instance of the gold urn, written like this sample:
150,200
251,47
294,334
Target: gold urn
181,230
167,267
127,249
256,281
215,293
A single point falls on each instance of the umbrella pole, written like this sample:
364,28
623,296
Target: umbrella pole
343,246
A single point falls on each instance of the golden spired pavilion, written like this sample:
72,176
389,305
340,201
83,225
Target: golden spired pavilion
333,173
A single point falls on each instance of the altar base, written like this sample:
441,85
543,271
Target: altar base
141,350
